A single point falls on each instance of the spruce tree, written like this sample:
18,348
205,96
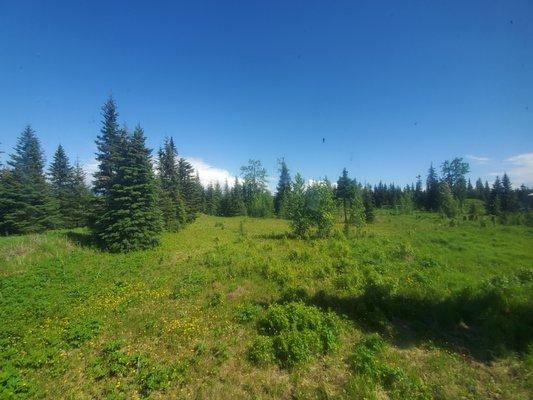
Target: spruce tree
419,193
61,177
170,198
26,205
495,199
217,199
237,200
283,189
225,202
508,196
479,190
131,219
470,190
368,202
10,199
211,201
110,144
432,190
486,192
192,190
79,198
344,192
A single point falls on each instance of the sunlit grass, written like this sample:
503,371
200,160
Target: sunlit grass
448,303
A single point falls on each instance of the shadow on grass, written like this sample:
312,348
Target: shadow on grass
481,324
82,239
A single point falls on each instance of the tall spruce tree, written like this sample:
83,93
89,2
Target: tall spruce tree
61,178
368,202
110,144
217,199
131,218
419,193
479,190
345,192
80,198
283,189
470,193
495,198
26,205
508,196
191,188
212,200
237,200
225,203
432,190
170,198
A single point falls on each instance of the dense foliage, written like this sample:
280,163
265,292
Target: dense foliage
171,191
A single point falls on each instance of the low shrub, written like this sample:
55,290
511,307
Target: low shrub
247,312
261,352
367,360
12,384
293,333
78,333
148,375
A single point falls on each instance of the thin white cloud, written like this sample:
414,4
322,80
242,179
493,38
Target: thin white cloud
522,170
209,173
89,167
478,159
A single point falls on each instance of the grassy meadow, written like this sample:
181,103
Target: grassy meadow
407,308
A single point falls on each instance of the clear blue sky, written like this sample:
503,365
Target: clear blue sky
391,86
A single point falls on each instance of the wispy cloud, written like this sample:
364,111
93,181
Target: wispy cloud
519,168
478,159
522,169
89,167
209,173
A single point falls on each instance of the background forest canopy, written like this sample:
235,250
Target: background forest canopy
134,194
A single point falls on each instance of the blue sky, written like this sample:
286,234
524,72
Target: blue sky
390,86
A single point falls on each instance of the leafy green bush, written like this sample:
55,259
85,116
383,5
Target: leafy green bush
261,352
312,206
293,333
148,375
12,385
367,360
247,312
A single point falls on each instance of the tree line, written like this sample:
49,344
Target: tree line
134,195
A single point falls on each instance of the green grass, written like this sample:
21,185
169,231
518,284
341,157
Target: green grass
409,307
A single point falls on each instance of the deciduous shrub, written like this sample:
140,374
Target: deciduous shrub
293,333
368,360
